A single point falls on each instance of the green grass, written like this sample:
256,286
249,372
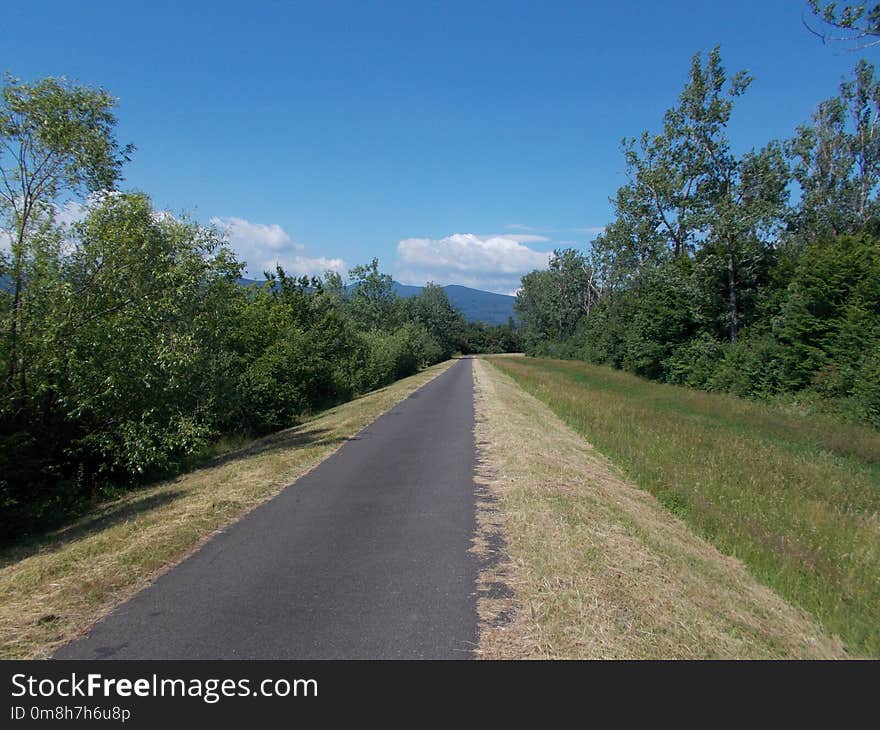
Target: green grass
796,498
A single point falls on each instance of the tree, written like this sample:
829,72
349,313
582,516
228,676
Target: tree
56,141
125,350
857,23
673,173
741,221
333,285
837,160
691,193
443,322
629,244
829,323
552,302
372,302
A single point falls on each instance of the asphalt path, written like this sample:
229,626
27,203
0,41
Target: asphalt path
365,557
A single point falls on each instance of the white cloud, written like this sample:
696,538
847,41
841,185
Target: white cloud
526,238
71,212
494,263
263,246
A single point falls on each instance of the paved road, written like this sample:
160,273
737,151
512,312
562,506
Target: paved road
364,557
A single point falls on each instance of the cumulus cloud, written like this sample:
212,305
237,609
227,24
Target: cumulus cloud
264,245
71,212
495,263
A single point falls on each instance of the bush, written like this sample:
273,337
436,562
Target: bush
745,369
695,363
866,389
394,355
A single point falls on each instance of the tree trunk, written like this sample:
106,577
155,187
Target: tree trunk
13,334
731,286
16,312
18,272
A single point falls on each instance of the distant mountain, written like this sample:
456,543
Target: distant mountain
403,290
475,304
481,306
251,282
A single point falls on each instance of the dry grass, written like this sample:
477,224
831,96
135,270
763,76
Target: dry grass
580,563
794,498
54,588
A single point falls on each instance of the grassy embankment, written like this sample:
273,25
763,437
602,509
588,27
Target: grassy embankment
795,498
54,587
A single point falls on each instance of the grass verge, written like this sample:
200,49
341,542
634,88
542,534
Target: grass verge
54,587
795,499
586,565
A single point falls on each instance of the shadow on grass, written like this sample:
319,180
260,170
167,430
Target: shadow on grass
103,517
126,504
291,438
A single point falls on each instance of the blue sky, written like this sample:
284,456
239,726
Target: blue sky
457,142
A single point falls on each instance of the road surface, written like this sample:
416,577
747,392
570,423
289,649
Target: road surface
364,557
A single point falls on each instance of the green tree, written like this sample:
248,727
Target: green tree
829,324
56,141
551,303
372,300
691,192
674,174
837,160
746,207
443,322
630,244
126,347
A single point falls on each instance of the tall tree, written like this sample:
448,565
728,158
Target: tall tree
672,173
690,192
836,159
373,302
552,302
746,206
629,244
56,141
433,310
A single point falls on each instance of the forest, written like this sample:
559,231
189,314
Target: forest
129,346
755,273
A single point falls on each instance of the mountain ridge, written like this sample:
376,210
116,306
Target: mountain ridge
476,305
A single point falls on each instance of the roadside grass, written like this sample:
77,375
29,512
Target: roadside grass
796,499
54,587
580,563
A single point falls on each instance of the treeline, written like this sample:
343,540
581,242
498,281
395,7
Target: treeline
128,345
755,273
